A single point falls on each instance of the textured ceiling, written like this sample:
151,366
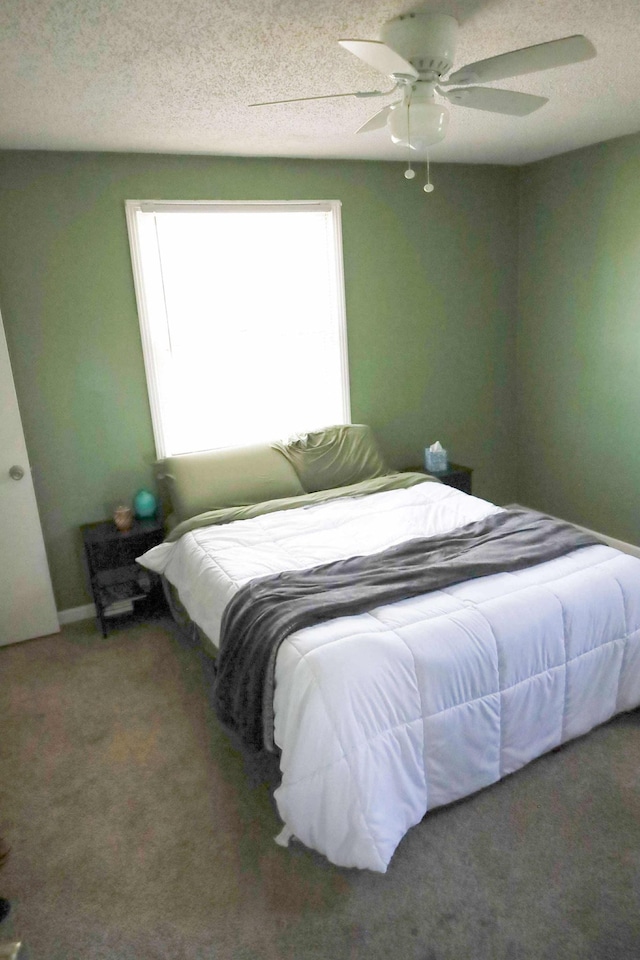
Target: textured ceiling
175,76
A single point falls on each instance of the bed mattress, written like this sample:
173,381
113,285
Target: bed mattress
383,716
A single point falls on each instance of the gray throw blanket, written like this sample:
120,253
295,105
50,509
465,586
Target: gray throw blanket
267,610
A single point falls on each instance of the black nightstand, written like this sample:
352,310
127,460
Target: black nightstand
454,476
120,585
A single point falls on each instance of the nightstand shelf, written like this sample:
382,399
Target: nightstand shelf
456,475
119,585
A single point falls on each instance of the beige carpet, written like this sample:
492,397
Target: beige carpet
137,833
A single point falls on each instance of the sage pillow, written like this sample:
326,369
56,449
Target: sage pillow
334,456
232,477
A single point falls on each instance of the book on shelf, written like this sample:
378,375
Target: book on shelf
119,597
120,606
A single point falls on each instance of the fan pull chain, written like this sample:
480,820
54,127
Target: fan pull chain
409,172
428,187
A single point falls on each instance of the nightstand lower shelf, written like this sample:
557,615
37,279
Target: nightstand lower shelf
119,585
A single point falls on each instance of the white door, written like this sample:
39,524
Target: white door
27,606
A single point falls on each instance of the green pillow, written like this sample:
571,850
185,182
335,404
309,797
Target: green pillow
334,457
231,477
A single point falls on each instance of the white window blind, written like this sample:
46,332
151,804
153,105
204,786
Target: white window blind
242,318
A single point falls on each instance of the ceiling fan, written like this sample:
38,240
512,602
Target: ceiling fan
417,51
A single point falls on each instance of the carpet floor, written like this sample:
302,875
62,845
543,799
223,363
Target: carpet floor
138,833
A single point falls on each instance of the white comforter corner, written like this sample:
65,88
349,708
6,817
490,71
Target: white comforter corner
385,715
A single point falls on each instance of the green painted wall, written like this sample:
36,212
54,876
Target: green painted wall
579,337
430,288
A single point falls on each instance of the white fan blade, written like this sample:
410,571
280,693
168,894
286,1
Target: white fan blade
494,100
326,96
542,56
377,121
381,57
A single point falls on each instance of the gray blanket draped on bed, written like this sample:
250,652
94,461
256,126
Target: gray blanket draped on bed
267,610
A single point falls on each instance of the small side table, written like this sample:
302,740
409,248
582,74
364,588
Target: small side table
119,585
454,476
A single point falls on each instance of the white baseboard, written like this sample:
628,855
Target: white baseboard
620,545
76,613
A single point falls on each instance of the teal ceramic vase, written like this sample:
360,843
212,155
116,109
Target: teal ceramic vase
145,505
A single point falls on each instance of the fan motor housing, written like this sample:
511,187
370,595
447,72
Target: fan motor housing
426,40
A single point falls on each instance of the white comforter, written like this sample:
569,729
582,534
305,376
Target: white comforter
385,715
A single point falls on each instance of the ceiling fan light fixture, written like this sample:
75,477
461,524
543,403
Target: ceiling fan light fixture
418,125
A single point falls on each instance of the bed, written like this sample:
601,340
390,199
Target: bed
382,715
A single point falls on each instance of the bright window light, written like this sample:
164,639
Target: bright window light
242,318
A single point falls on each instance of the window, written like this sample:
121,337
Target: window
241,310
